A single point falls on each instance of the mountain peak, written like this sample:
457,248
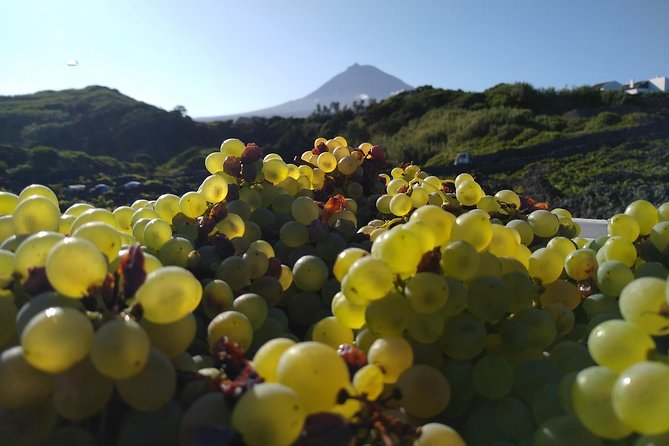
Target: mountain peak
356,83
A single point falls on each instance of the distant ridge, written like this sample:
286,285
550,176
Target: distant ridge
357,83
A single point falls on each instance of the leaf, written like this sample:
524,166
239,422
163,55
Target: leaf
131,268
332,206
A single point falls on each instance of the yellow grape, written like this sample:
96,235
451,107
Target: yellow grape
75,265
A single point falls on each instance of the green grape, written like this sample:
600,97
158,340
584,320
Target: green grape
543,223
235,271
546,265
214,188
331,332
469,192
38,190
513,419
424,233
293,234
492,377
400,204
475,228
642,302
388,315
383,204
504,242
306,308
561,244
81,391
347,165
591,397
269,414
488,298
612,276
540,326
462,178
489,204
652,440
426,292
457,298
524,229
257,263
145,212
217,296
168,294
310,273
56,338
266,358
105,237
395,185
546,403
275,170
214,162
562,292
489,265
139,204
425,391
644,213
138,229
345,259
32,253
157,232
368,381
599,303
232,146
532,375
348,314
167,207
8,203
253,306
563,317
436,434
393,355
95,215
581,264
440,221
464,337
304,210
617,248
74,265
659,236
263,246
460,260
570,356
138,428
120,348
21,385
174,338
6,228
123,216
34,214
426,328
618,344
508,197
151,388
232,324
315,372
419,196
523,290
175,251
329,248
623,225
192,204
231,226
640,395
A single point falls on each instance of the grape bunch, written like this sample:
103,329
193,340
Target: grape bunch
332,297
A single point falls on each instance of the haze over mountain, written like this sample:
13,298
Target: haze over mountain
357,83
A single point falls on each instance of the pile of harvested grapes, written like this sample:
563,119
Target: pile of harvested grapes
330,300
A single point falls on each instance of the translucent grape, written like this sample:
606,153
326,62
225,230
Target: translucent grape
75,265
623,225
232,146
546,265
464,337
253,306
475,228
400,204
618,344
544,223
168,294
581,264
399,249
34,214
214,188
175,251
120,348
232,324
644,213
659,236
174,338
460,260
368,278
393,355
266,359
426,292
192,204
331,332
8,202
438,219
347,313
612,276
235,272
469,192
642,302
31,253
436,434
151,388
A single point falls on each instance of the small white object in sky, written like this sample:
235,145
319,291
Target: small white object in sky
72,62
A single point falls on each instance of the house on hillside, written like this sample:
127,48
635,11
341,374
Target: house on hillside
658,84
608,86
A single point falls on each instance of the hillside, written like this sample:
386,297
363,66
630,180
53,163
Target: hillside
559,145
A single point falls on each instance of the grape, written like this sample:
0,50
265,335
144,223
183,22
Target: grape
464,337
563,245
644,213
612,276
475,228
173,338
214,189
348,314
32,253
524,229
310,273
232,324
562,292
392,354
489,204
387,316
95,215
581,264
331,332
460,260
120,348
345,259
253,306
269,414
232,146
151,388
468,192
400,204
546,265
34,214
642,302
438,219
659,236
591,397
488,298
543,223
425,391
315,372
426,292
157,232
56,339
266,359
504,242
619,344
231,226
105,237
436,434
640,396
540,326
37,190
617,248
293,234
623,225
8,203
21,384
81,391
168,294
509,197
512,418
492,377
145,212
523,290
425,328
192,204
235,272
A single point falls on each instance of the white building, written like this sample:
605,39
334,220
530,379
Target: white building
658,84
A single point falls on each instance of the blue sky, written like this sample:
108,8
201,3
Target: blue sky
224,56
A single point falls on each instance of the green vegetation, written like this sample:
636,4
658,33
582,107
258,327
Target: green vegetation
562,143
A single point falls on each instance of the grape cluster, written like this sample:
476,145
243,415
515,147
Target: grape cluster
332,297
